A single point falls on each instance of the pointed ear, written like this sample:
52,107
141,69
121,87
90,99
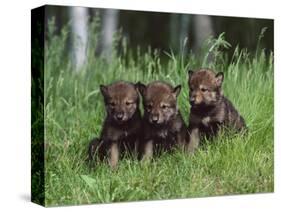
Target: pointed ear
104,90
189,72
141,88
177,90
219,78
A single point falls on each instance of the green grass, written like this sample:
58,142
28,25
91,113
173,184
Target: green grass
74,113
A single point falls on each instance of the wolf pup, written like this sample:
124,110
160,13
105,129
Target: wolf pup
210,109
163,125
122,124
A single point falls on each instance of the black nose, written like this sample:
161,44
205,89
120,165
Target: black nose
192,100
119,116
154,118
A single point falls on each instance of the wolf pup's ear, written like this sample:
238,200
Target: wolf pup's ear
104,90
189,73
219,78
177,90
141,88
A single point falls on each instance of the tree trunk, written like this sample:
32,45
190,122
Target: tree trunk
79,27
203,29
109,27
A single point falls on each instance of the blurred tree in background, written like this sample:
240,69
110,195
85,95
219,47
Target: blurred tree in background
163,31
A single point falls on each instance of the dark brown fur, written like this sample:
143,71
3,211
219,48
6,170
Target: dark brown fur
163,126
210,109
121,128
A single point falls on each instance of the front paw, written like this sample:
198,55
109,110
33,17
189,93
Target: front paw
148,151
113,156
193,140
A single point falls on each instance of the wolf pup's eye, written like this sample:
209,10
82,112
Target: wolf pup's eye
112,104
164,107
128,103
204,89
